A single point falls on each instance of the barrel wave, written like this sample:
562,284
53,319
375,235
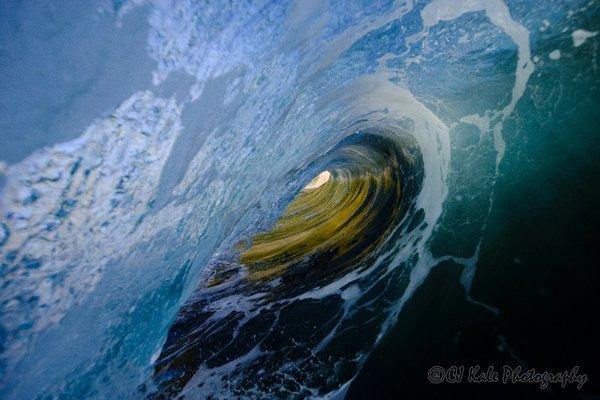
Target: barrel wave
251,220
257,311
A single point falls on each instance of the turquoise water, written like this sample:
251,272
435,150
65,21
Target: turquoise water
141,142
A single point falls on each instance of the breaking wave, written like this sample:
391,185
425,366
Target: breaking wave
257,233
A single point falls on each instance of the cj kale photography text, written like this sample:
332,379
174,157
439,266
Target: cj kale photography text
509,374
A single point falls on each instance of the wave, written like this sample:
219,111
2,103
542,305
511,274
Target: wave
256,314
199,208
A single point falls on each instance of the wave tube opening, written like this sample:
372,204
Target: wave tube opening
255,314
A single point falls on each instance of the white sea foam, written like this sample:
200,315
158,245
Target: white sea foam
580,36
554,54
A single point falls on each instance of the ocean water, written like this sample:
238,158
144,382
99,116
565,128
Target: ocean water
143,141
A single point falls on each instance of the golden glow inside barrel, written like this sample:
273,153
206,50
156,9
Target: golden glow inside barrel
336,219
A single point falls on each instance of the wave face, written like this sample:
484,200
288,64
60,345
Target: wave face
188,201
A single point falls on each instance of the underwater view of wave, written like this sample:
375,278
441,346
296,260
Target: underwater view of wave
298,199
